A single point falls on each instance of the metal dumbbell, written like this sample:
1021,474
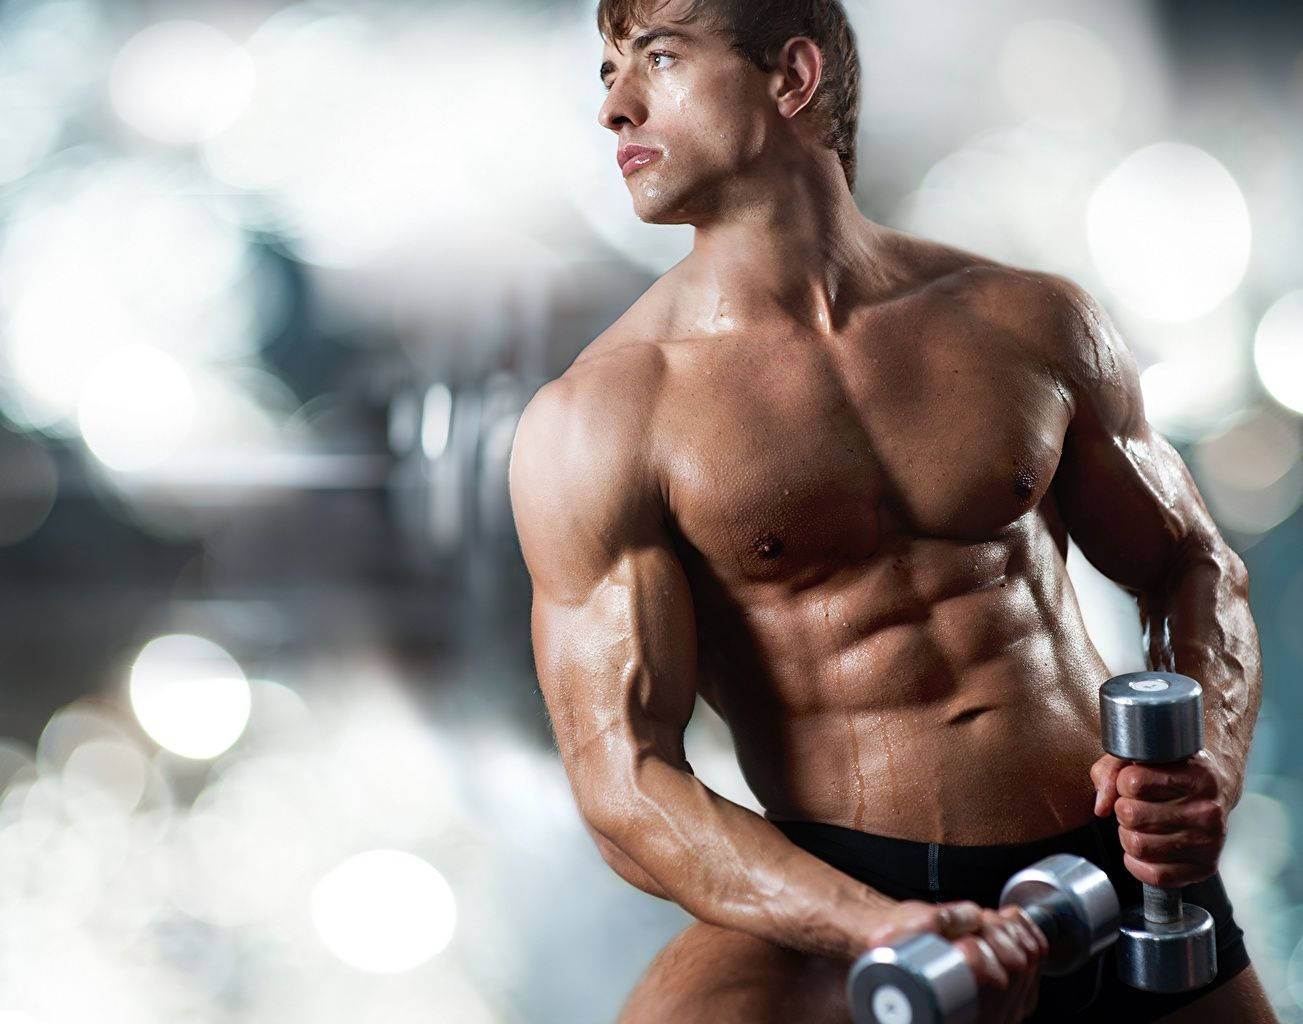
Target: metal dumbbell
1164,945
925,980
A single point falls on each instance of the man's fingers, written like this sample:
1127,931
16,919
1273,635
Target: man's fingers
960,918
1173,848
1003,933
1172,816
1158,782
1167,876
983,962
1031,936
1030,939
1034,943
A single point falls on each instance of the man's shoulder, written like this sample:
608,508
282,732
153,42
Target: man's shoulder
582,484
1037,305
1054,321
593,422
1054,316
1058,325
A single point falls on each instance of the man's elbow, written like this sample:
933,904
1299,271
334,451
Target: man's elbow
624,866
613,804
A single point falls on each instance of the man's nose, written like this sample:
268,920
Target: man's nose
624,105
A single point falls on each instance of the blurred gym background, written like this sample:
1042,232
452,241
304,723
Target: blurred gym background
275,283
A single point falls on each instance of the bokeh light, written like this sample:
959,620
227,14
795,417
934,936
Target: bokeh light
1169,231
1201,381
1250,475
189,695
251,842
1000,192
193,300
181,81
384,911
136,407
1278,350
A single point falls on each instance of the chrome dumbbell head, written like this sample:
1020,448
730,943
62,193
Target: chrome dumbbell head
1151,716
1072,902
1173,956
921,980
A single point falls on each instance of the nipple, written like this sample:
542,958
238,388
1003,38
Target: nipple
1024,482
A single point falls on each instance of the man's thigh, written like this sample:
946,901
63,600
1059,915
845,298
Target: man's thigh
1241,999
727,977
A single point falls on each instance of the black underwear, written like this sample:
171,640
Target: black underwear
937,873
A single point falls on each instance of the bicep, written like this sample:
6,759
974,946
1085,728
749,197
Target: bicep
1126,495
617,670
613,627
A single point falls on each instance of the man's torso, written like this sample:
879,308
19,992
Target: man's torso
876,561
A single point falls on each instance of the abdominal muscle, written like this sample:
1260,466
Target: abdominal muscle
971,720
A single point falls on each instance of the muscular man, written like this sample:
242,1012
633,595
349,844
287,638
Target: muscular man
823,473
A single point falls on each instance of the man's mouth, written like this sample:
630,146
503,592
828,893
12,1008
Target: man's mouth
633,158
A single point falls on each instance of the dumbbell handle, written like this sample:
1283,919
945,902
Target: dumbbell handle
1042,919
1162,906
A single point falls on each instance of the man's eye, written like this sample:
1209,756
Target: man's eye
652,56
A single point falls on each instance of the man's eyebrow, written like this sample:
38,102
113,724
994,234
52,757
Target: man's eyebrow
645,40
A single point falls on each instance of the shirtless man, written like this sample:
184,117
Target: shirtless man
823,473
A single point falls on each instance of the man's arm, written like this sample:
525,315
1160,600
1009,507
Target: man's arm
615,649
1131,506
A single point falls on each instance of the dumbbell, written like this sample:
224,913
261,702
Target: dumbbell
925,980
1164,945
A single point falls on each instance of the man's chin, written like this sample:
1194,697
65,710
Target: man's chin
660,211
661,218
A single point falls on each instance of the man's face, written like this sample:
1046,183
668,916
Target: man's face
696,105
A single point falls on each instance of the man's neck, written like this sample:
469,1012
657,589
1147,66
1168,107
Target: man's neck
805,252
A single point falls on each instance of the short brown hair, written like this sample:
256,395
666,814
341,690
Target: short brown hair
758,30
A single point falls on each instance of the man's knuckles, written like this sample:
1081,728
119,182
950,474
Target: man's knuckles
1183,847
1031,938
1147,782
1199,816
982,960
1166,876
1105,770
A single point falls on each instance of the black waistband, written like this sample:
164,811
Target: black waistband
908,869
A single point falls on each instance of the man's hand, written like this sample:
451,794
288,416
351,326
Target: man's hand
1003,949
1171,817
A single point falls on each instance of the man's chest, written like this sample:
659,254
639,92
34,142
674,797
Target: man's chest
786,460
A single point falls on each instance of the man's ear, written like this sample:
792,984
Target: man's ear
796,75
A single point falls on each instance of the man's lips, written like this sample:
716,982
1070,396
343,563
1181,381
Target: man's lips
631,158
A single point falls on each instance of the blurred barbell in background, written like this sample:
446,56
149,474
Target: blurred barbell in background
275,284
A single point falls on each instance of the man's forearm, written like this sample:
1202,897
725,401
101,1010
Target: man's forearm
728,866
1199,624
